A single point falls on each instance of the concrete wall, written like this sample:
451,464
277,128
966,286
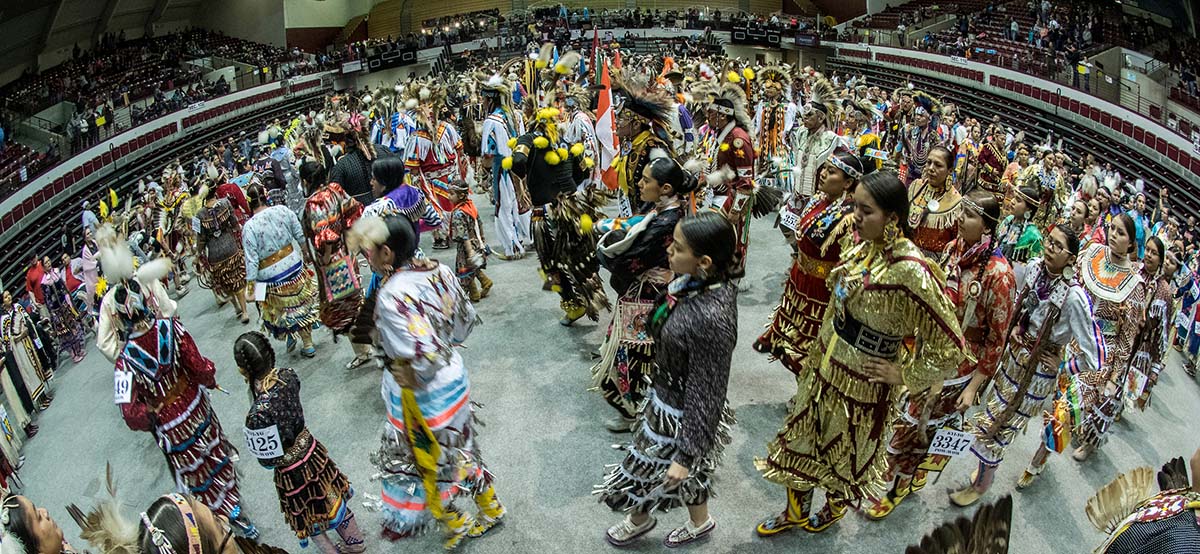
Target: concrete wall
323,13
257,20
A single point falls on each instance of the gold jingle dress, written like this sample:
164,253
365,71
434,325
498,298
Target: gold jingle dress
887,302
820,234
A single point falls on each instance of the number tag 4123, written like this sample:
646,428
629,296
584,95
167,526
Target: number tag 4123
949,442
264,443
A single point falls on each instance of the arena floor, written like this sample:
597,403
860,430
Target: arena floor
545,441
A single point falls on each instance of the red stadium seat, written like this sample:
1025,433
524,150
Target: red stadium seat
1127,128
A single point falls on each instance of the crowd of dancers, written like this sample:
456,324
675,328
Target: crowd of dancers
948,280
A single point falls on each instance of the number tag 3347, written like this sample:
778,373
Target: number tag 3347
949,442
264,443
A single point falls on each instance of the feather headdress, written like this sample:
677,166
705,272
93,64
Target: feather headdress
823,98
366,234
731,100
986,533
633,100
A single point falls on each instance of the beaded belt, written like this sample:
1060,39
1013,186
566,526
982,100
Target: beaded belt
275,257
299,451
1108,327
864,338
814,266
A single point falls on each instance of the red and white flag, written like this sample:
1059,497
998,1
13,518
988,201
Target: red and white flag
606,131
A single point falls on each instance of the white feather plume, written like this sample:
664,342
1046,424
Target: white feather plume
495,81
367,233
424,93
154,270
720,176
410,104
694,165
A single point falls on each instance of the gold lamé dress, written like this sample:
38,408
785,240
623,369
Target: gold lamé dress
835,436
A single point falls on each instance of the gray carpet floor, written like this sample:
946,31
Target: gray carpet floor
545,441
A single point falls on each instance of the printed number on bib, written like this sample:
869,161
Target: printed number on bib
123,387
264,443
949,442
789,219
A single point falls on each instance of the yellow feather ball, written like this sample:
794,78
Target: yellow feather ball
506,163
576,149
734,77
552,158
541,64
562,69
555,288
562,153
512,143
585,223
588,163
540,142
724,147
748,74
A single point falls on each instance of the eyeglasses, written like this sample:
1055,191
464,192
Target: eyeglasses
1048,244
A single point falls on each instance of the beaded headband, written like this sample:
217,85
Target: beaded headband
852,172
189,521
975,207
1028,199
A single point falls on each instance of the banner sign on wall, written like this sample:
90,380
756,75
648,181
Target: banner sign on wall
754,35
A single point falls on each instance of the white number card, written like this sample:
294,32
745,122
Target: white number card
260,291
123,387
949,442
264,443
788,219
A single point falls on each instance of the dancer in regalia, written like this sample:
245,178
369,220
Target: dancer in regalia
980,284
428,456
685,424
162,384
936,204
1152,344
314,495
219,252
434,154
1052,310
500,131
822,230
637,258
885,295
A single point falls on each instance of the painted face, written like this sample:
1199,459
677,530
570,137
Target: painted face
869,219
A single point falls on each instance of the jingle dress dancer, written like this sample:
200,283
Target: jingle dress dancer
162,384
639,270
1051,311
428,456
434,155
271,241
825,225
1152,350
1114,281
686,423
980,284
885,294
314,495
936,205
219,250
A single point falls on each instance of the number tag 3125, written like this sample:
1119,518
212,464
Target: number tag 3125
949,442
264,443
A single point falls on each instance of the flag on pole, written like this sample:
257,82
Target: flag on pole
596,53
616,64
606,131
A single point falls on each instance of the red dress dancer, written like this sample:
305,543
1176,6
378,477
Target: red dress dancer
162,384
435,157
732,175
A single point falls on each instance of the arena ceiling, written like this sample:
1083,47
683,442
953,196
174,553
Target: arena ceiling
29,28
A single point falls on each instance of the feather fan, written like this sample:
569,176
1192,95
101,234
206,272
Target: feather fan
105,527
986,533
1118,499
1173,476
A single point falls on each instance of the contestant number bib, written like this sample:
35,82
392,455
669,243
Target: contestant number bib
264,443
949,442
789,219
123,387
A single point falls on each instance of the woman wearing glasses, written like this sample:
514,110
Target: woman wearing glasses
1052,309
